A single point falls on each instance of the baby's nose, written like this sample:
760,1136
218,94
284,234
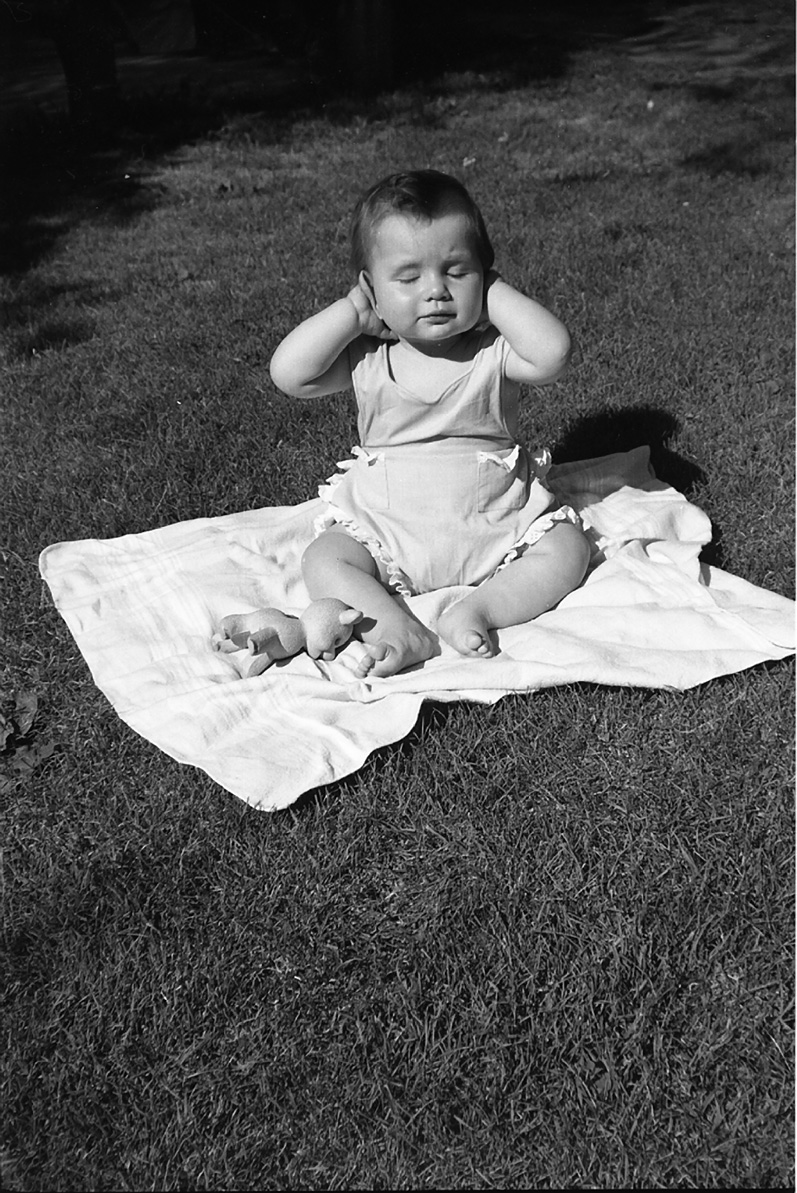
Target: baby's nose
437,287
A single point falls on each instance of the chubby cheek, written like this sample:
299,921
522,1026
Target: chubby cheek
388,305
477,296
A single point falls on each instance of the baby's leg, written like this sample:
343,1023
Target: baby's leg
336,565
545,573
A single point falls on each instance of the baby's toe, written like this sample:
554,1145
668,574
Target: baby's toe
476,643
387,660
382,660
365,665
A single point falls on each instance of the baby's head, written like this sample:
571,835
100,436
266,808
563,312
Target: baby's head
423,195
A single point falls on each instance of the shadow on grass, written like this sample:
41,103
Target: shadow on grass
52,183
168,102
27,334
51,333
171,100
614,429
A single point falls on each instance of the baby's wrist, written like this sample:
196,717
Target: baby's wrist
362,307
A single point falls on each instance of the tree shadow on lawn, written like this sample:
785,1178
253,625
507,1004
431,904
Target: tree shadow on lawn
170,101
52,183
620,430
27,334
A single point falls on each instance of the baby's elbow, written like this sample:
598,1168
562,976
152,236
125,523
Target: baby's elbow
283,376
563,351
557,362
562,366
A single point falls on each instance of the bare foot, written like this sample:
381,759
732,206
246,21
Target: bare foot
389,649
466,629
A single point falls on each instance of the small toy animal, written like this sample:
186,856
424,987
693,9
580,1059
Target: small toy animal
270,634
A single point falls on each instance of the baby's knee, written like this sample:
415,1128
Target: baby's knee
579,543
331,551
572,548
318,556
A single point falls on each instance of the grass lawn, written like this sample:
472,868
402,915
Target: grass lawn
545,943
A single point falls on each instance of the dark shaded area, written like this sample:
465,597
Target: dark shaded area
54,176
26,335
57,333
739,158
753,155
51,183
55,169
616,429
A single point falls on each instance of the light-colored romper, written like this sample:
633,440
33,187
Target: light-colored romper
440,491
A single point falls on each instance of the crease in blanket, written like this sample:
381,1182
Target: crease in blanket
142,608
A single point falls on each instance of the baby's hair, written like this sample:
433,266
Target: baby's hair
421,194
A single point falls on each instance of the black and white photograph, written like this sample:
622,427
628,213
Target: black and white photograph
397,707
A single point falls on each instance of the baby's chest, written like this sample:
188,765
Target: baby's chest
428,378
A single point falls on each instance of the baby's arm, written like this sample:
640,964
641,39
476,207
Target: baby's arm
539,343
312,359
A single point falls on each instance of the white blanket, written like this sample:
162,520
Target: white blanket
142,608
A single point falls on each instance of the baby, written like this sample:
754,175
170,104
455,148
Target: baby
435,345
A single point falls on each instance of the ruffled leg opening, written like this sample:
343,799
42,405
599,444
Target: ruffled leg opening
332,517
539,527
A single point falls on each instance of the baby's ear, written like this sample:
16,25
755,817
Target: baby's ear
367,285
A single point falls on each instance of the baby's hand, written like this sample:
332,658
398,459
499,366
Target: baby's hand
370,323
